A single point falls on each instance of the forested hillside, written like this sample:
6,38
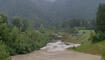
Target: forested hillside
22,8
71,8
50,13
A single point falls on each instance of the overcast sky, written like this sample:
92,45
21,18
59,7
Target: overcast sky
51,0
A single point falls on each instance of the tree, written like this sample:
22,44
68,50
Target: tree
17,22
100,20
4,30
3,18
25,25
100,24
22,24
42,29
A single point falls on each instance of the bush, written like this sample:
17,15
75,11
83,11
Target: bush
3,53
99,36
25,42
103,56
20,38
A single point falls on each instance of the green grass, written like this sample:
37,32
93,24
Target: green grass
82,36
88,46
96,48
85,34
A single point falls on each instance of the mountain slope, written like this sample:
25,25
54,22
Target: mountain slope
50,12
22,8
72,8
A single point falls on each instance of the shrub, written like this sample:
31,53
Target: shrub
19,38
103,56
99,36
3,53
25,42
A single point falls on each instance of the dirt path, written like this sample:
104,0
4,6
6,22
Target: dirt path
58,55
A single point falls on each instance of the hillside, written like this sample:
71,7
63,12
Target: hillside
48,12
71,8
23,8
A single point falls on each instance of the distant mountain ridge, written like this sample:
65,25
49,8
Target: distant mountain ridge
60,8
72,8
23,8
45,12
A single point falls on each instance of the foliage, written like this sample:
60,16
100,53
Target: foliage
103,56
4,30
98,37
85,35
100,20
92,48
17,22
20,38
3,53
22,24
74,25
3,18
95,44
82,36
25,42
100,25
42,29
87,44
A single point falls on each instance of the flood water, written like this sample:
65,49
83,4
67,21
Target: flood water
56,51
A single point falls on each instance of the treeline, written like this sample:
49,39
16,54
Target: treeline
19,37
74,25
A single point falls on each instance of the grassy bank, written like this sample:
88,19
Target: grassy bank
85,35
96,48
81,37
87,46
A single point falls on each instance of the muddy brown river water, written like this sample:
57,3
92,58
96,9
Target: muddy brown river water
56,54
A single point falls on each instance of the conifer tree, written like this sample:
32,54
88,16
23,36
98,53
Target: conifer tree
100,20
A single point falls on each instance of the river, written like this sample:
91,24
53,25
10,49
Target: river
56,51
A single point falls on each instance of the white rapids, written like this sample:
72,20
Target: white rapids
58,46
